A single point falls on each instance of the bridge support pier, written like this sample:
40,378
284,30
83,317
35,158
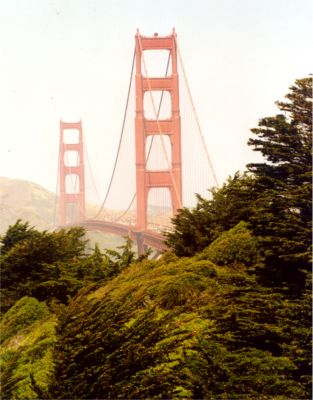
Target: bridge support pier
141,246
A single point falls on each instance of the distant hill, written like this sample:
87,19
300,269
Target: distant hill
27,201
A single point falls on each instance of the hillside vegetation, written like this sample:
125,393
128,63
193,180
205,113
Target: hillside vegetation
224,314
27,201
28,337
178,328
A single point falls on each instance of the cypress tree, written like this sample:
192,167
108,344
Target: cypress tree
283,207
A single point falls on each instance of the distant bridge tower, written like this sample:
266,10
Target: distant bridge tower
147,179
72,173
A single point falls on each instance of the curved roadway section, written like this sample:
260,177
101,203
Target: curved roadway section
144,239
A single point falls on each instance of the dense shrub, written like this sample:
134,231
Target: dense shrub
235,247
28,337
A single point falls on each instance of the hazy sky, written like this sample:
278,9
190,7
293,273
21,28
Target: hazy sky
71,59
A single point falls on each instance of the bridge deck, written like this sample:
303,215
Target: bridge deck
143,238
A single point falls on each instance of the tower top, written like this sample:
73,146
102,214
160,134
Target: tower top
156,34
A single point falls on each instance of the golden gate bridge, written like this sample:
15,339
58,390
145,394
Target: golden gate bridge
161,161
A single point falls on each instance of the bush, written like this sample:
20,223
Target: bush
21,316
26,350
234,247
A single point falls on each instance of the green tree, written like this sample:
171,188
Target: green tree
24,264
283,211
295,318
54,266
195,229
235,247
192,229
122,257
16,233
28,337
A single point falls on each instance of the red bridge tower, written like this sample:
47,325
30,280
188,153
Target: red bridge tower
147,179
72,173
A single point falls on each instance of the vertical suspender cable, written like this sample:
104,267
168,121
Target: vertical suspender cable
90,169
196,115
56,193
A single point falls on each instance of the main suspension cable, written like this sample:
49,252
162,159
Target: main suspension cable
120,141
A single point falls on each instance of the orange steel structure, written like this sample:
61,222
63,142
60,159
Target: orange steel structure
147,179
74,199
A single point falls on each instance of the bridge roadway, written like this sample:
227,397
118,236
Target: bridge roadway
144,239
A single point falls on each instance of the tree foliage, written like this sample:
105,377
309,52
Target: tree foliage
27,339
25,264
234,247
195,229
177,328
53,266
283,210
16,233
